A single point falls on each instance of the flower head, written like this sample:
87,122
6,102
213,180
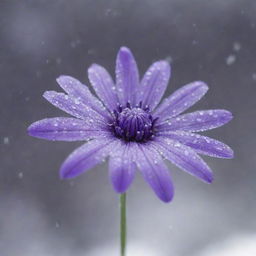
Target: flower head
127,124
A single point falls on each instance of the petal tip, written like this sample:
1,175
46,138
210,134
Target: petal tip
94,69
202,85
65,78
121,186
30,130
230,154
164,65
209,179
167,198
47,94
230,115
124,49
61,78
33,130
92,66
119,190
227,116
125,52
63,174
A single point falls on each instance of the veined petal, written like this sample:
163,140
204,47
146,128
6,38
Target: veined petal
122,167
127,76
86,157
181,100
155,172
65,129
201,144
183,157
196,121
73,106
81,92
103,86
153,84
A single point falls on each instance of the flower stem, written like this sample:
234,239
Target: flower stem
122,224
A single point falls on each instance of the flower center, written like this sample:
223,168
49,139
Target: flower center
133,124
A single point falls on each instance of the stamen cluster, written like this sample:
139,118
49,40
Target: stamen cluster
133,123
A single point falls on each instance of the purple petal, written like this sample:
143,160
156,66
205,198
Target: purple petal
103,86
127,76
155,172
201,144
122,167
184,157
65,129
153,84
81,92
86,157
73,106
196,121
181,100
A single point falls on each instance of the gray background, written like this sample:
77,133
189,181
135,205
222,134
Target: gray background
40,215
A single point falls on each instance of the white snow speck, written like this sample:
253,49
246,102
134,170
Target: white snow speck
6,140
169,59
75,43
236,46
194,42
230,59
20,175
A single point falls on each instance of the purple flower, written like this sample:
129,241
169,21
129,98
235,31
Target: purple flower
126,124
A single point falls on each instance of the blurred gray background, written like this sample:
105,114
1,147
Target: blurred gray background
40,215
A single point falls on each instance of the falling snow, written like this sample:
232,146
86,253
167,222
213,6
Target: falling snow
236,46
6,140
230,59
169,59
20,175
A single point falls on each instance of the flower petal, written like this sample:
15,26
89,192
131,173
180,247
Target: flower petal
81,92
127,76
201,144
155,172
122,167
86,157
73,106
103,86
65,129
184,157
153,84
181,100
196,121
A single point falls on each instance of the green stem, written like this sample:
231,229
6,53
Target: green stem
123,223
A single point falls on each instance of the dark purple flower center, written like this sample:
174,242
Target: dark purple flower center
133,124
